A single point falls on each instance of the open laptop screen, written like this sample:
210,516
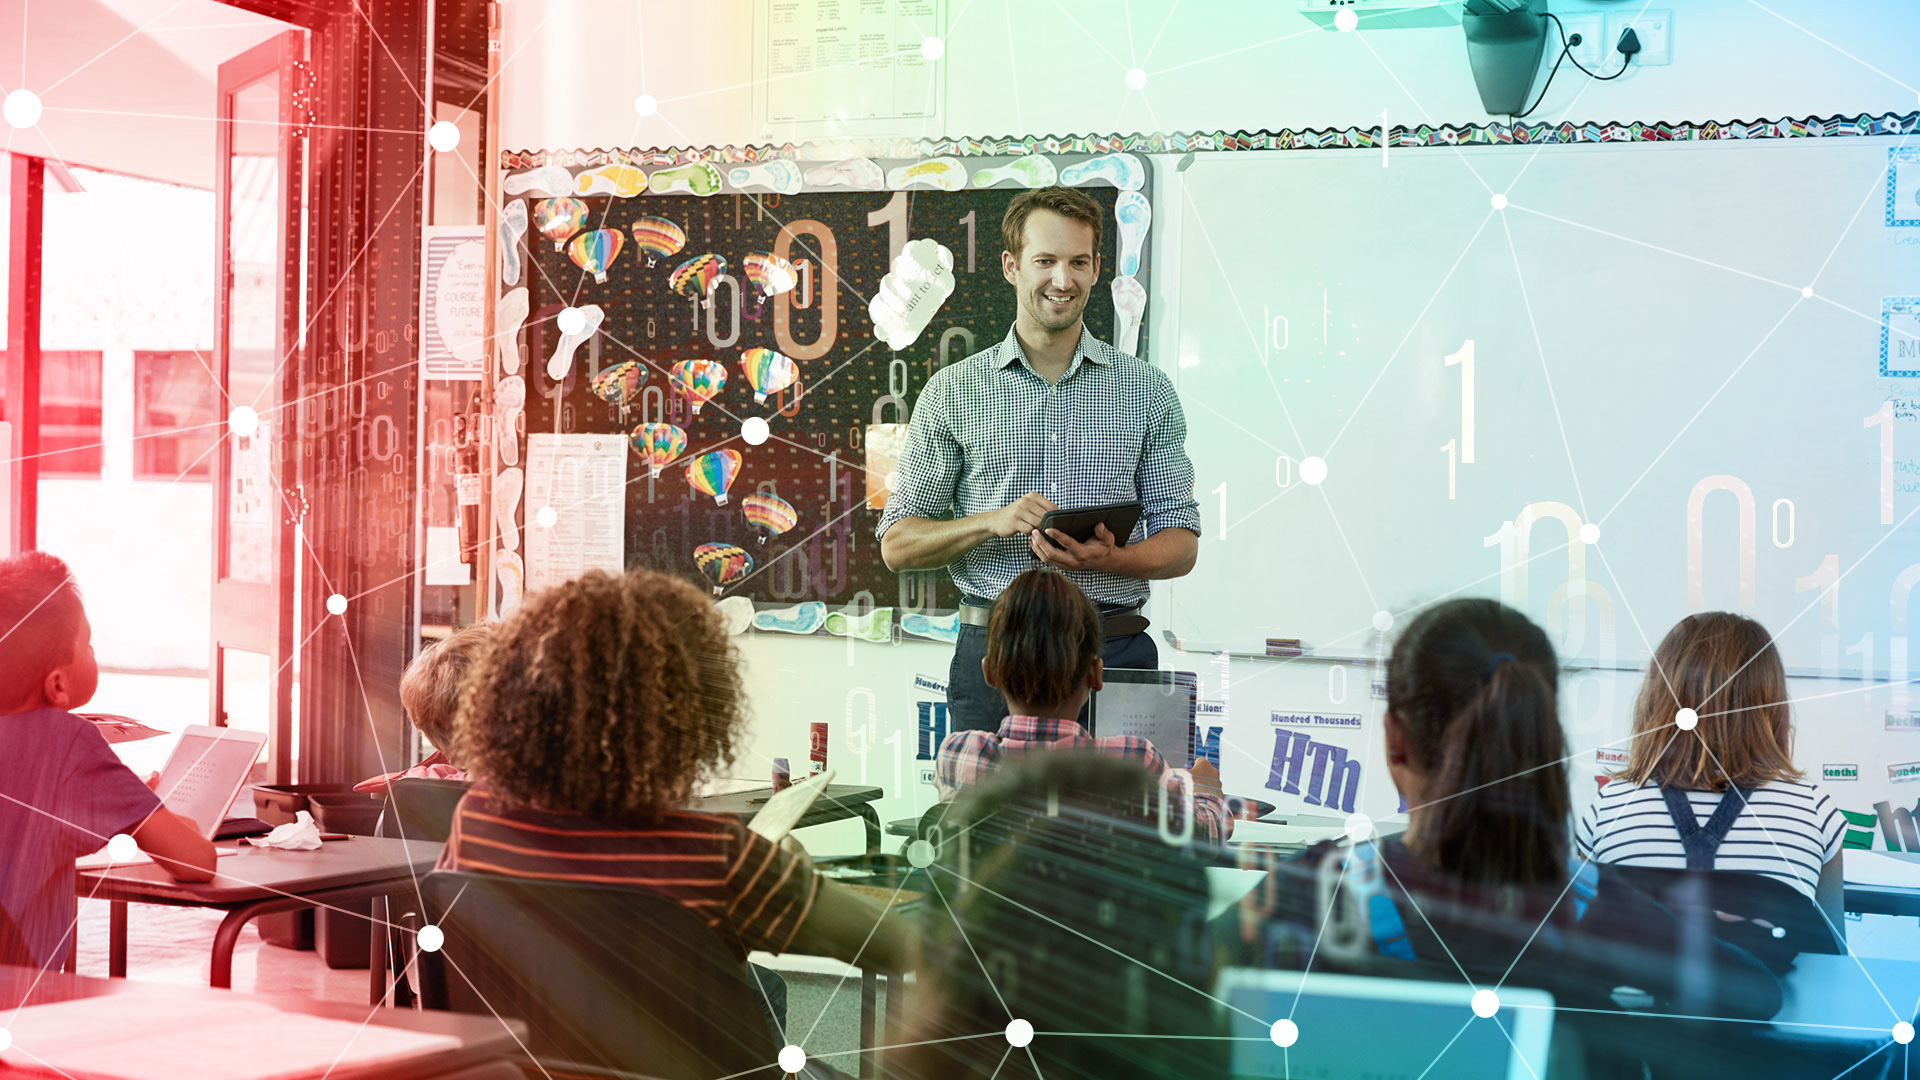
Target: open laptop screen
1158,706
205,772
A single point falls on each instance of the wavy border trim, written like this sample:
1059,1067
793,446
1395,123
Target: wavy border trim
1350,138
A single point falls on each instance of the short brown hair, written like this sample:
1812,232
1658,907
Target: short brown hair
430,690
40,616
1066,202
607,695
1725,668
1043,636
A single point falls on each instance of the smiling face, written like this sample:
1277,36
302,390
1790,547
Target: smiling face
1054,273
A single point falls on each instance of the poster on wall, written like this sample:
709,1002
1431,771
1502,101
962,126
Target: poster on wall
452,309
574,487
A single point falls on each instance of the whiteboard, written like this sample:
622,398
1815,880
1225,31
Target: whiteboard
1643,360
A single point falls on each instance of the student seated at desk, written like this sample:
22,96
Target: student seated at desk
1044,638
1481,881
63,792
430,691
1060,904
588,719
1725,795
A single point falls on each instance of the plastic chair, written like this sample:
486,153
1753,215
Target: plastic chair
417,808
609,980
1798,925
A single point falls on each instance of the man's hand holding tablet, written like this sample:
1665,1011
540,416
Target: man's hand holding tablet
1021,517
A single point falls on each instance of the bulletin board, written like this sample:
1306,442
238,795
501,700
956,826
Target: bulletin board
722,263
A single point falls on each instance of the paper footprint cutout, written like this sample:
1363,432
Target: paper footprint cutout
548,180
1129,303
738,612
920,281
860,174
562,360
1031,172
940,628
1134,214
799,619
509,315
944,173
694,178
509,409
1124,171
507,485
513,226
875,626
622,180
780,176
509,582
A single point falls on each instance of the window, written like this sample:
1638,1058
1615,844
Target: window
175,415
69,413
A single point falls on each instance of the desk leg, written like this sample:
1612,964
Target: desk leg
377,955
871,818
228,935
893,1023
867,1053
117,940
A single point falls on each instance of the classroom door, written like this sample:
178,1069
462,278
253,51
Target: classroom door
257,335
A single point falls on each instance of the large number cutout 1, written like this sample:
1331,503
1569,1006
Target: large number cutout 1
829,291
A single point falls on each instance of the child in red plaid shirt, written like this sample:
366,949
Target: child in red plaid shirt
1043,654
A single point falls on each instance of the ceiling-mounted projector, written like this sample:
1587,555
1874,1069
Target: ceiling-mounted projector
1384,14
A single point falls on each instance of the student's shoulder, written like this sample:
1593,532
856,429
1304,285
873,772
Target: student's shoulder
45,732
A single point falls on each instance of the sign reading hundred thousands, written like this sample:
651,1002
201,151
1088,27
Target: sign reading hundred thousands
1611,757
1831,773
1908,770
1303,719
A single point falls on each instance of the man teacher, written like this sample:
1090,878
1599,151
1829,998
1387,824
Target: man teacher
1049,418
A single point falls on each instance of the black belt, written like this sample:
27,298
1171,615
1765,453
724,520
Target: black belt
1121,623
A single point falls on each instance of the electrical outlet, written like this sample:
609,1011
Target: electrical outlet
1653,28
1593,48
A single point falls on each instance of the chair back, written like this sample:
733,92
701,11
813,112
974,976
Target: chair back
13,947
1796,924
419,808
605,977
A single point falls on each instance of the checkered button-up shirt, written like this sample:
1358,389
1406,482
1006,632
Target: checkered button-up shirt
987,431
966,757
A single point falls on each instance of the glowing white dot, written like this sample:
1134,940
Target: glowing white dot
122,848
431,938
22,108
1485,1003
1686,719
1345,20
645,105
571,321
546,516
1313,470
1285,1033
336,604
933,48
443,136
891,480
1019,1032
1779,931
243,421
1359,827
6,1040
1383,621
1589,533
1499,200
792,1059
1903,1033
754,430
1136,78
920,854
1807,291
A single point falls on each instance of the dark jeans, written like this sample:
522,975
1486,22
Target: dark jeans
972,705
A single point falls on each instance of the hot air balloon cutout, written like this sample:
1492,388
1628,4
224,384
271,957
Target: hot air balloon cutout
620,385
713,472
770,515
694,278
658,237
723,564
595,251
770,275
658,445
699,380
558,219
768,372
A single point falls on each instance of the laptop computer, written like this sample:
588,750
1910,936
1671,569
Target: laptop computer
1158,706
1339,1020
204,774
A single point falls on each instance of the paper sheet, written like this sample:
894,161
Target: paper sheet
584,479
1882,869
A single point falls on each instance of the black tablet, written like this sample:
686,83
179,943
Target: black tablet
1119,518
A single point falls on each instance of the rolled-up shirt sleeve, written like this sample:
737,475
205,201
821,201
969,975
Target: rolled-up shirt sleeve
928,473
1165,473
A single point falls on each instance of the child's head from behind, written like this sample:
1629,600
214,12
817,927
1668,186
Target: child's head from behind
430,690
606,695
1043,644
1725,668
1474,741
47,655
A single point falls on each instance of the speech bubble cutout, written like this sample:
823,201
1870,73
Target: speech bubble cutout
921,280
